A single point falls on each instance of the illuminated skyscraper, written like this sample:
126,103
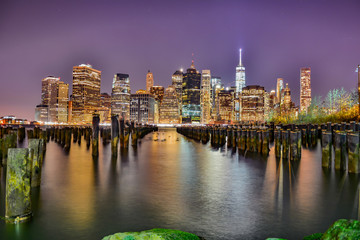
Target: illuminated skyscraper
105,107
287,104
142,107
305,89
158,94
62,102
252,101
191,110
120,96
205,96
46,88
169,108
225,98
279,88
41,113
149,81
86,93
177,81
240,76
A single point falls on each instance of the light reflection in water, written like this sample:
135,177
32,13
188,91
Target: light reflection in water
174,182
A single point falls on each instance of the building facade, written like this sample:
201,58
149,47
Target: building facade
86,93
142,106
177,81
279,88
105,108
240,76
42,113
205,100
149,81
191,110
169,108
305,89
120,96
225,98
252,101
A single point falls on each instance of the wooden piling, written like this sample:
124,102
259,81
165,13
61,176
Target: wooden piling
340,150
353,152
95,135
18,189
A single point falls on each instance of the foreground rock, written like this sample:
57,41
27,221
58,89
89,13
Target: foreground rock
154,234
342,229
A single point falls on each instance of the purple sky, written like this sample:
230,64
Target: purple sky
278,37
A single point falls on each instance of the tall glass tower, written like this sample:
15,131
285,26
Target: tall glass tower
240,77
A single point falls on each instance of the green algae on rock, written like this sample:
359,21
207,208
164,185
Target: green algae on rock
343,229
153,234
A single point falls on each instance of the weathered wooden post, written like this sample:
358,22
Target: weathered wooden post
9,141
265,142
353,152
88,133
134,134
285,144
126,136
18,189
277,140
37,159
75,133
21,134
67,140
340,150
326,141
295,142
114,134
234,137
79,135
62,136
95,135
259,140
229,133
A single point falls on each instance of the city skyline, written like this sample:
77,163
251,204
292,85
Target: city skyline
272,48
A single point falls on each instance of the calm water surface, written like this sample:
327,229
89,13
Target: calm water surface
182,184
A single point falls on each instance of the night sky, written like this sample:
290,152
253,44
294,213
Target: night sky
41,38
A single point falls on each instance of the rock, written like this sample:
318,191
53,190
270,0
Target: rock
343,229
315,236
154,234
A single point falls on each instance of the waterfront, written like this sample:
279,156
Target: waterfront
182,184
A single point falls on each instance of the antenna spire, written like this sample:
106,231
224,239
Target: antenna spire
240,63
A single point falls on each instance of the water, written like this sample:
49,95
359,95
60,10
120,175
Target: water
182,184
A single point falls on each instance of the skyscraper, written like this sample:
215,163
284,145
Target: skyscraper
149,81
191,110
240,76
177,81
86,93
305,89
287,104
142,107
205,96
62,102
252,101
225,98
120,96
279,88
46,88
169,108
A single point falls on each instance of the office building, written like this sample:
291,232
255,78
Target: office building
169,108
225,108
41,113
191,109
252,102
120,96
149,81
86,93
177,81
305,89
279,88
205,100
142,105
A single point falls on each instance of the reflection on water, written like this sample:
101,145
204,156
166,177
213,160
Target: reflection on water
170,181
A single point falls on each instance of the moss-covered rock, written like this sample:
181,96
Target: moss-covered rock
153,234
343,229
315,236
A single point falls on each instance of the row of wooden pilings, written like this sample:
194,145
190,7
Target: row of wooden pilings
23,165
339,142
